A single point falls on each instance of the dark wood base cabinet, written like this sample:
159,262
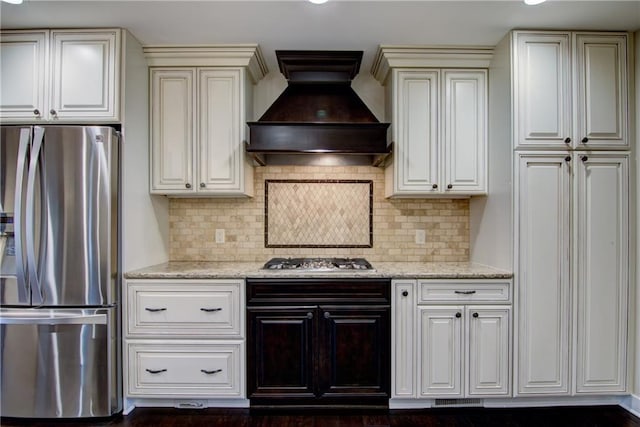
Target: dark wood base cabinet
312,343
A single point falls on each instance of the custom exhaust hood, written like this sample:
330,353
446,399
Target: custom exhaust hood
318,118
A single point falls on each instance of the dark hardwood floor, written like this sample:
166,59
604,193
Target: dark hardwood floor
601,416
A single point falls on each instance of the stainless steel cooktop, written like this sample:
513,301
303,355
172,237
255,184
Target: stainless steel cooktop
318,264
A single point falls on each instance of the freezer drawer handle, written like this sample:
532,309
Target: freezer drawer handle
153,310
210,372
29,319
155,371
210,310
465,292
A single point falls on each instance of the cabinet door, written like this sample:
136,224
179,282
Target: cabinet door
220,122
465,131
172,129
602,212
601,71
416,148
543,199
542,95
403,381
489,352
440,360
85,75
354,353
280,360
23,73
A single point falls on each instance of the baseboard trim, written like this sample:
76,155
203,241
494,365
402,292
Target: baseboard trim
185,403
632,404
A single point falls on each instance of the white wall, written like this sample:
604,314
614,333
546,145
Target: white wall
145,217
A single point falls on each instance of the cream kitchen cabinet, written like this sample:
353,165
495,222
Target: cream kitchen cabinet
60,75
572,234
184,339
570,90
451,339
439,121
198,119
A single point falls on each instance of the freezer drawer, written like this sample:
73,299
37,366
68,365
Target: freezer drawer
59,363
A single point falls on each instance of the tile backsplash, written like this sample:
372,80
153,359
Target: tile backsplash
193,223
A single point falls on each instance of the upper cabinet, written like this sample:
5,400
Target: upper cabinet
437,104
570,90
201,99
60,75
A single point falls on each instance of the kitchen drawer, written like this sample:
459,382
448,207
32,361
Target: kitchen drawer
185,308
464,291
185,368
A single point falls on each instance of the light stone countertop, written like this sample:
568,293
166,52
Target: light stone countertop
395,270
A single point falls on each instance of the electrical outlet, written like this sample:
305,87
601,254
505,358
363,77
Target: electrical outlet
420,237
219,235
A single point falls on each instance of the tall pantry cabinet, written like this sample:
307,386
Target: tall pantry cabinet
570,134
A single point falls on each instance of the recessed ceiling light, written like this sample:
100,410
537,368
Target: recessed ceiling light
318,1
533,2
13,1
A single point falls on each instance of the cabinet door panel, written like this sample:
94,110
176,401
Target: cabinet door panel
489,351
417,131
85,75
542,89
543,274
23,73
172,129
354,352
440,337
602,264
279,358
601,67
220,142
403,339
464,130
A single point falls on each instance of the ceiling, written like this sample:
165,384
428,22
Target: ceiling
338,24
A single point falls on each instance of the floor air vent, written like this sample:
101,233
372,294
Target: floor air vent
455,403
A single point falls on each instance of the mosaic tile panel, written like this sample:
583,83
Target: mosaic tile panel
318,213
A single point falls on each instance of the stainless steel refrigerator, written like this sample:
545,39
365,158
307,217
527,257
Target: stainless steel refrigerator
59,272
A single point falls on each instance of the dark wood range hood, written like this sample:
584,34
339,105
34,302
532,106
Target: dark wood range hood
318,113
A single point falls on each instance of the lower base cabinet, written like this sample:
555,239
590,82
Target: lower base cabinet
452,339
184,342
307,354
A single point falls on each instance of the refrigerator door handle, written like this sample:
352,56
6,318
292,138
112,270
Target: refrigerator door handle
18,318
18,219
36,292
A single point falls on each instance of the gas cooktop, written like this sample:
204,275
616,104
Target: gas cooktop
318,264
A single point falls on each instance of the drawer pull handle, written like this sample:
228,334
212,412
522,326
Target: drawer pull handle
210,310
154,310
155,371
210,372
465,292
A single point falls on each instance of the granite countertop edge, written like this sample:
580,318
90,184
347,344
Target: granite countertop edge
244,270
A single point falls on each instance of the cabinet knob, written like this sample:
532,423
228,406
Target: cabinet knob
458,315
309,315
584,158
475,314
434,186
187,185
36,112
202,185
585,140
567,159
405,293
567,140
53,112
327,315
450,186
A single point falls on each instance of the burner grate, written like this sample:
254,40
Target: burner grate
318,264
